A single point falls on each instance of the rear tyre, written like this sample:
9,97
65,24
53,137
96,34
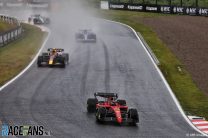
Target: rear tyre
29,20
45,54
121,102
79,37
100,114
47,21
95,39
35,21
63,65
133,114
91,105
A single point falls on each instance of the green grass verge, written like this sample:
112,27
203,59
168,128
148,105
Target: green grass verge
15,56
4,26
192,100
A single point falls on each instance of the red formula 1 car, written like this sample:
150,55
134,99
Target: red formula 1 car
112,109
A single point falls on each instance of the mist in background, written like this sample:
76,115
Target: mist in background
67,17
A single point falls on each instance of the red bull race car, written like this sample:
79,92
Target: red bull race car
54,57
112,109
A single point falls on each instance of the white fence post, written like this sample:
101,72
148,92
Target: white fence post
10,35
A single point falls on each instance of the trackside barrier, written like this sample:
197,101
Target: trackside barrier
10,35
25,3
167,9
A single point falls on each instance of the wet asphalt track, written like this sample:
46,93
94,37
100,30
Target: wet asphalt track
56,98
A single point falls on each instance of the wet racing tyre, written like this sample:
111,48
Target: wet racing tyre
133,114
91,105
100,114
121,102
40,59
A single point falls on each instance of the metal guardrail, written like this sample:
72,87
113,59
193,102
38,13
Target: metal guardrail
8,19
10,35
149,49
25,3
166,9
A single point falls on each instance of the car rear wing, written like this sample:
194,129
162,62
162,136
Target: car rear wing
82,30
106,95
57,49
35,15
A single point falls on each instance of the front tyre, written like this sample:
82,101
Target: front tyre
39,62
91,105
63,62
133,114
67,58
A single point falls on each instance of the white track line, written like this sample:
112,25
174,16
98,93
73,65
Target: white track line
156,67
31,63
164,80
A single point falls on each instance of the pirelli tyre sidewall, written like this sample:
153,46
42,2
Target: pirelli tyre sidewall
36,21
79,36
100,114
91,105
121,102
47,21
133,114
40,60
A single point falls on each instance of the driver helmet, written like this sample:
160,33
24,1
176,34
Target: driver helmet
53,51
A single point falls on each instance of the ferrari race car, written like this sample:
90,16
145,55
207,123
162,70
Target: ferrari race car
85,36
38,19
54,57
112,109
